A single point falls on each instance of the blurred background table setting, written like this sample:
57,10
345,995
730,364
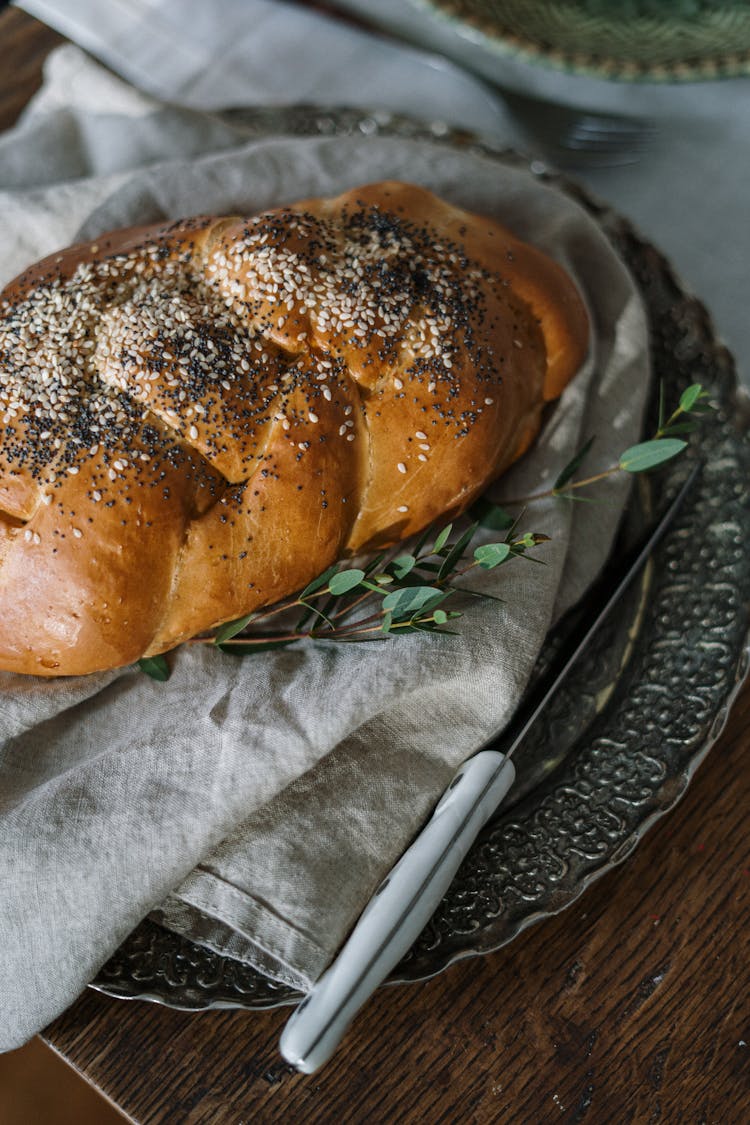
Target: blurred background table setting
588,1009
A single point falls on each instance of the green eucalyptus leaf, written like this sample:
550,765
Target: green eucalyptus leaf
490,515
702,408
156,667
345,581
440,617
403,565
438,599
387,622
647,454
490,555
231,629
374,587
410,599
457,550
532,539
689,397
442,539
319,582
572,467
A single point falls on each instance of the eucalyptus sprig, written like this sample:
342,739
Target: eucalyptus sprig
393,594
663,445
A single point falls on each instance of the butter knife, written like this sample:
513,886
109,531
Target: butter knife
406,899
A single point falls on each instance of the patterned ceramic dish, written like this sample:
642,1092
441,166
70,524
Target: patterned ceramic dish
638,715
629,40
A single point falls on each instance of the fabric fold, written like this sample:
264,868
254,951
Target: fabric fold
255,804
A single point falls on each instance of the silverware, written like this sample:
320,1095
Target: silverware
408,896
575,137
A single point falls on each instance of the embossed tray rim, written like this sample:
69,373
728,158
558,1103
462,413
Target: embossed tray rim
192,996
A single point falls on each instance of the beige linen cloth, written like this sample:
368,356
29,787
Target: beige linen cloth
255,804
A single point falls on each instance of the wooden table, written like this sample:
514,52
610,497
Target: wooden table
631,1006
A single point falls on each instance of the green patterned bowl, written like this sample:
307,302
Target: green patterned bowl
630,40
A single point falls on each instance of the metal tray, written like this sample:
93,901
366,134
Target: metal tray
637,716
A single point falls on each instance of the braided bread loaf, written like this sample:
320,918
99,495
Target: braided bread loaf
198,418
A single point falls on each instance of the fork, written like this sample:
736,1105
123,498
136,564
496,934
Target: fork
575,137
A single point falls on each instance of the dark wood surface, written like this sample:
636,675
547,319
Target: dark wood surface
24,45
631,1006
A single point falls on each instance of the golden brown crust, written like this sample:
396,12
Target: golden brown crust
199,417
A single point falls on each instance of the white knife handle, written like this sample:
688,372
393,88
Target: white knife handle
397,912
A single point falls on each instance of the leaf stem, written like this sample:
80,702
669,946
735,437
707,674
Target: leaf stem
560,491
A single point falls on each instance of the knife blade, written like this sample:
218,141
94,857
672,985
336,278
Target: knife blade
406,899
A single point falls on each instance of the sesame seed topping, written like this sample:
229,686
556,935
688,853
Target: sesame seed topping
119,355
402,508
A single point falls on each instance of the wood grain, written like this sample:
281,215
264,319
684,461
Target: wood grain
24,45
631,1006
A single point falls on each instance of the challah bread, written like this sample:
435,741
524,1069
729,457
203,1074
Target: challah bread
200,417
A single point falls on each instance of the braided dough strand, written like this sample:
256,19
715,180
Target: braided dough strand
200,417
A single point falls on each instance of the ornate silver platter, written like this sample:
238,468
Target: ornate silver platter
623,740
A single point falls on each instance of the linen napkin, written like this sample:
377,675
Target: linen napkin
256,804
